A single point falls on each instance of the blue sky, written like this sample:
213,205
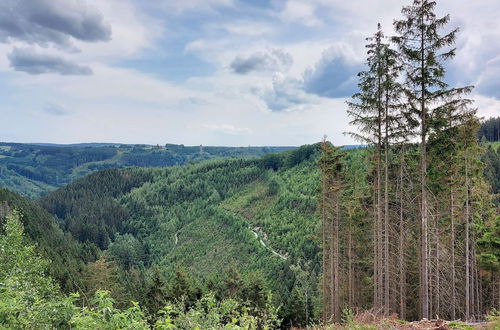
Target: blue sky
212,72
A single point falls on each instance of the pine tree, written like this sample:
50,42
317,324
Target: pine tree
375,111
331,165
423,51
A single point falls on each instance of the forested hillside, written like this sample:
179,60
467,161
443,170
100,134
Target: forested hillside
256,216
240,229
400,232
490,130
34,169
68,257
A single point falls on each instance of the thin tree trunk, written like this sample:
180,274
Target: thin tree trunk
402,274
349,257
325,266
333,265
437,309
423,185
467,246
375,252
327,232
386,211
380,284
453,274
336,248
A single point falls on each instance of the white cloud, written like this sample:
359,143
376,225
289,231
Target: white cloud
277,102
244,28
228,128
133,31
300,11
179,7
271,60
487,106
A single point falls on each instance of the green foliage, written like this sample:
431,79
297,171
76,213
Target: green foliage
34,170
209,313
347,316
103,315
201,217
127,251
67,256
490,130
232,227
28,298
491,158
494,318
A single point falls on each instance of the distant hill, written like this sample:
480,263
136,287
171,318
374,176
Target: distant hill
35,169
258,214
490,130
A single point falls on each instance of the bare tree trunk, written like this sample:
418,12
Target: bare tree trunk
324,240
402,273
453,273
424,267
375,254
467,245
333,259
380,284
424,253
437,310
336,256
386,213
478,283
326,217
350,270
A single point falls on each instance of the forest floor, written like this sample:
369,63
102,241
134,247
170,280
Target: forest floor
368,320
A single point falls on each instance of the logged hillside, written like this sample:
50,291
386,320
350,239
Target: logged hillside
247,229
255,215
34,169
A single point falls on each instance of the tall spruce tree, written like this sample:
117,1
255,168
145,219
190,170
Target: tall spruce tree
424,50
375,112
366,111
331,163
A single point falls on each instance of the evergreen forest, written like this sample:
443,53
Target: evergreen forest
399,232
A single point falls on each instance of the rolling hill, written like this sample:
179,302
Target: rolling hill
35,169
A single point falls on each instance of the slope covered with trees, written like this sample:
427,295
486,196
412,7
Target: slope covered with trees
490,130
67,256
407,225
241,232
255,216
35,169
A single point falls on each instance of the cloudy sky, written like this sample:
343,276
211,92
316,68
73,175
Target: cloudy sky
212,72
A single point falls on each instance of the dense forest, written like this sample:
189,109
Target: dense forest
241,232
35,169
433,223
402,228
235,229
490,130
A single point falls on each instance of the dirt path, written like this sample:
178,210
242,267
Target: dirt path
257,237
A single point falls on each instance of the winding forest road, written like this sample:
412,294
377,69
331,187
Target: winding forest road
257,237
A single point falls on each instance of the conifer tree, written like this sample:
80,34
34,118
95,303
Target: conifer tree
424,50
375,111
331,165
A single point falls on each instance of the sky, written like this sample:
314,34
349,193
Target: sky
211,72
